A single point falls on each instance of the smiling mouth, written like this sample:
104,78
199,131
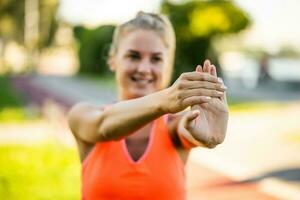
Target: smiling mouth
141,81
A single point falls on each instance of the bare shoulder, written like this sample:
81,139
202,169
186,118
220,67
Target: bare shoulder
79,113
82,119
78,109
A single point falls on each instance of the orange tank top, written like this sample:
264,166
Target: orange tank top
109,172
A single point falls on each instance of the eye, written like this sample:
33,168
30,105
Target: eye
156,59
133,57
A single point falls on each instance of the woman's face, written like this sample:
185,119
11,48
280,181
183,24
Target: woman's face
139,63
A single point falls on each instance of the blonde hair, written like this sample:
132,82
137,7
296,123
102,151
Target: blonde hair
154,22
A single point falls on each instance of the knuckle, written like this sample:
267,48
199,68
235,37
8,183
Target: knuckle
202,76
200,92
207,85
217,86
215,93
179,96
194,101
183,76
181,85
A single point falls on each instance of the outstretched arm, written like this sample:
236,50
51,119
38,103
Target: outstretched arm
91,124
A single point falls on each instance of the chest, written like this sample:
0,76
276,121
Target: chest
160,164
137,143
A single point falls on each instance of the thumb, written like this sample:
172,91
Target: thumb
192,115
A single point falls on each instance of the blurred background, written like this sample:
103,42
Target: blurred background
53,54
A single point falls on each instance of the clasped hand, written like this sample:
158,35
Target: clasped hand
205,93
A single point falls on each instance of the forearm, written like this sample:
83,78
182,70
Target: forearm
125,117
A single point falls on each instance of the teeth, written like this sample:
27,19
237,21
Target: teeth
143,81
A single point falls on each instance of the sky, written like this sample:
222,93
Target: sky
95,12
275,22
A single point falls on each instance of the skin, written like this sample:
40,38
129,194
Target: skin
138,64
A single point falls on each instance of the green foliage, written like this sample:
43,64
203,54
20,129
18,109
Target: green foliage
93,48
11,104
8,115
8,97
196,23
48,22
40,171
12,21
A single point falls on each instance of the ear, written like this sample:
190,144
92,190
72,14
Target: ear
112,63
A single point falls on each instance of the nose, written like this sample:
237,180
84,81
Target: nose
144,66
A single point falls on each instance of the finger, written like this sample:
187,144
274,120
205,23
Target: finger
198,68
209,69
223,97
196,76
195,100
203,84
213,70
192,115
200,92
206,66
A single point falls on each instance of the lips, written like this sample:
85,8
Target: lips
141,80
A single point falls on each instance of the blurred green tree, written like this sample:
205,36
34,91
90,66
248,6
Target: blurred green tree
93,48
196,23
30,23
12,21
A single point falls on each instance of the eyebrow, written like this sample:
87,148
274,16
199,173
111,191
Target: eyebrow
137,52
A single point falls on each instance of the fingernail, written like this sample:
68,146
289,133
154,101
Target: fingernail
220,93
195,112
207,97
223,87
220,80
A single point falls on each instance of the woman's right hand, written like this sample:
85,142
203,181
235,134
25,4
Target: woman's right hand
191,88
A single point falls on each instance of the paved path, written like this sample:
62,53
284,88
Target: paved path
65,90
265,91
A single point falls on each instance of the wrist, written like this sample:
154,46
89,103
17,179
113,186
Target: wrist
162,99
157,101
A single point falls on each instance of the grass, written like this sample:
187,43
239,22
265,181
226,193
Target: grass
16,115
255,106
12,104
8,97
238,105
41,171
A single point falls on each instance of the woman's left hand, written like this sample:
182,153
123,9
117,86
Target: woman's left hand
207,122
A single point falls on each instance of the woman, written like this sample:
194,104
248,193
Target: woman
136,148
